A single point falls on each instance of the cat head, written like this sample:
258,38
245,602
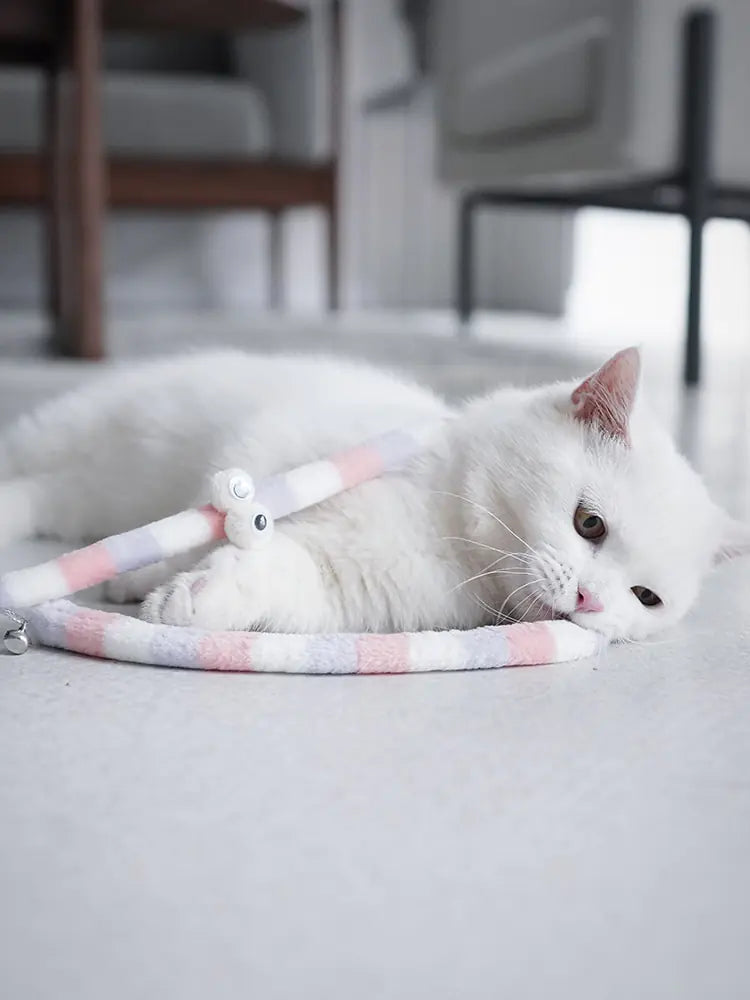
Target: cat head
606,524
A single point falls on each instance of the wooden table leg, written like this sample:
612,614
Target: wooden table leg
275,261
333,253
78,198
52,275
337,83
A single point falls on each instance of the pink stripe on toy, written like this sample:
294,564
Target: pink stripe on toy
383,654
358,465
530,643
86,629
87,567
215,519
227,651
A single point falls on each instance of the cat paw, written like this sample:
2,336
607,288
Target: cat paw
175,602
243,589
202,598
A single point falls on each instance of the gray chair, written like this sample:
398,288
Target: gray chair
612,103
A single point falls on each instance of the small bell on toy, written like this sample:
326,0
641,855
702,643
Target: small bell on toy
248,525
16,639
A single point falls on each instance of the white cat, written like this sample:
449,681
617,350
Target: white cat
567,500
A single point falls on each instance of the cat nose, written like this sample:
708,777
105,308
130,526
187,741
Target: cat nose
588,601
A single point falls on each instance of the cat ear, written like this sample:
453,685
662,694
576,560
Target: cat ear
736,541
606,398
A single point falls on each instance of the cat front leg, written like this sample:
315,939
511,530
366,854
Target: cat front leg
277,588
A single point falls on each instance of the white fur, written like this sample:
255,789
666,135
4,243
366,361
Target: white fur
490,503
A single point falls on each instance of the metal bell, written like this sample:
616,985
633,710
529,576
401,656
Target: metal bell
16,640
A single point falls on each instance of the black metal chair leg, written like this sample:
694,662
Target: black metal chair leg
698,106
465,273
275,262
695,277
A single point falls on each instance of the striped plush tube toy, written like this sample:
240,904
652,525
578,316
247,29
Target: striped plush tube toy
243,513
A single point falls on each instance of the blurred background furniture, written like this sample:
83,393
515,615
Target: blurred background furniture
181,105
611,103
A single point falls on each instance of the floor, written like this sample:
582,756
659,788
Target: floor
570,831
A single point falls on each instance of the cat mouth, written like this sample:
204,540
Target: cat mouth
546,612
582,621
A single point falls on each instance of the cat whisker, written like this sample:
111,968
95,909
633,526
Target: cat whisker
521,556
500,618
528,583
532,602
488,572
485,510
485,545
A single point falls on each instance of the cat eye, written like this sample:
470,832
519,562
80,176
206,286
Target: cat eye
647,597
588,525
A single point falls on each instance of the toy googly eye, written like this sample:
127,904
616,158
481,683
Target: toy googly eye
251,528
231,489
240,487
262,524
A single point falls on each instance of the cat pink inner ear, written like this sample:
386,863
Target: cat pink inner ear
606,398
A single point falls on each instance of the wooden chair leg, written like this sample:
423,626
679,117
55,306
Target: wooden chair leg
52,276
336,14
333,257
78,171
275,261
